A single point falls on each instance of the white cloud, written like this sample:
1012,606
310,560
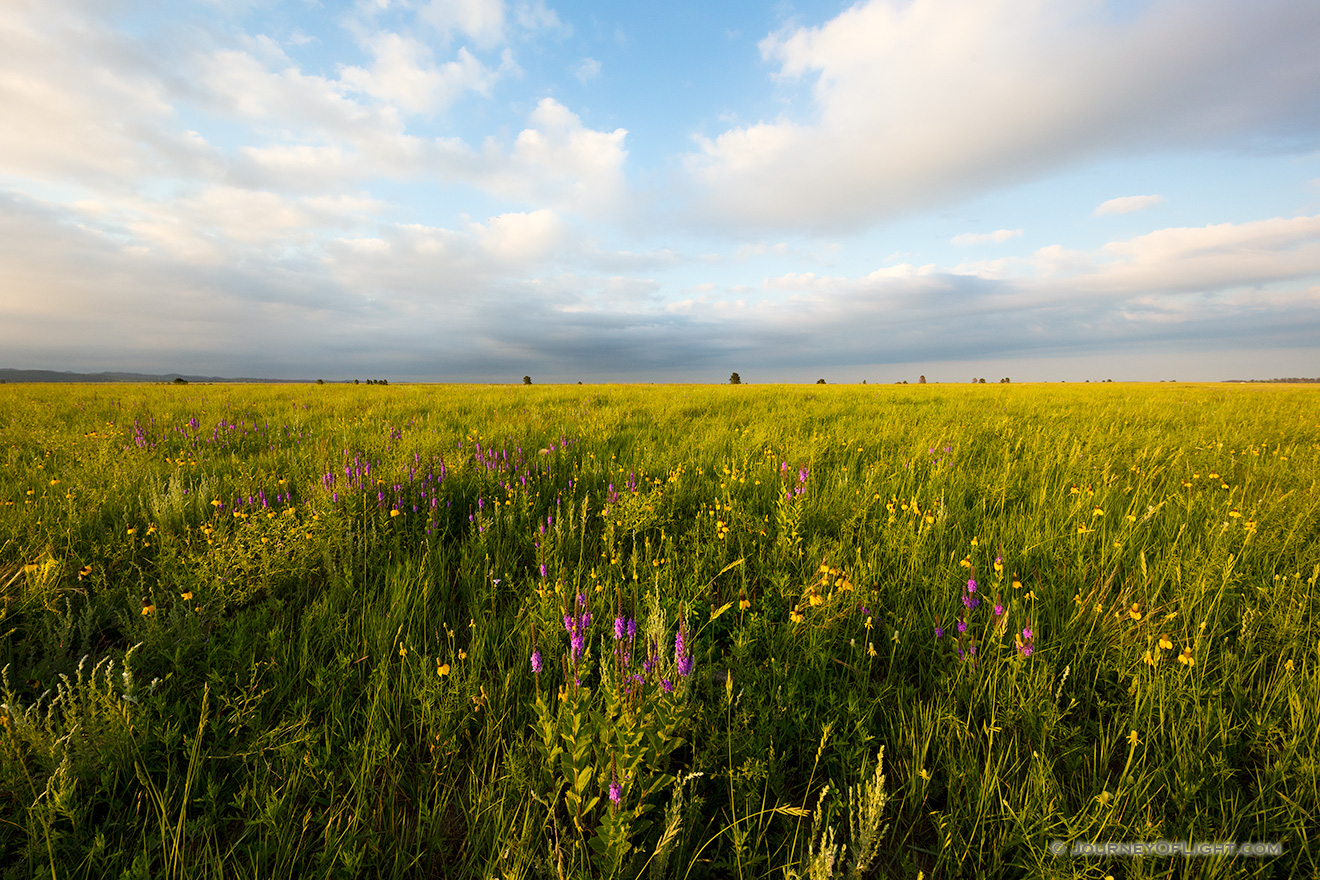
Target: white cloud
917,103
405,75
556,160
587,70
482,21
1127,205
997,237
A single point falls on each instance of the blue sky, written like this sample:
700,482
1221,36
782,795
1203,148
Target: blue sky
476,190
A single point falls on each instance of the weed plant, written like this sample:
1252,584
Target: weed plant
544,632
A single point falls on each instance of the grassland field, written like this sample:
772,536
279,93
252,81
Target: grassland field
672,631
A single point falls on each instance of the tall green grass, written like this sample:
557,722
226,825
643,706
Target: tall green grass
331,683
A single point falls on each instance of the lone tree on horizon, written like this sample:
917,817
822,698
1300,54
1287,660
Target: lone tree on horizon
735,379
527,380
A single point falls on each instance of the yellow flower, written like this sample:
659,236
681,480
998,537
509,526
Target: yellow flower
1082,529
1234,513
84,572
1131,517
442,669
1134,612
795,615
743,604
870,648
394,512
1288,665
1133,739
403,652
1075,491
1165,644
132,531
148,607
1017,584
816,599
1148,658
186,595
1186,657
462,655
975,543
967,562
1097,512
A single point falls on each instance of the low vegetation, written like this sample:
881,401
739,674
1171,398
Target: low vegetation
766,631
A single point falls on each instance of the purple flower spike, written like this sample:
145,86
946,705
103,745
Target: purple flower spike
632,629
939,632
682,657
962,626
971,586
620,627
667,685
616,792
536,662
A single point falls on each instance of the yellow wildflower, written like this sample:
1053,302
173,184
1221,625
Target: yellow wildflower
1165,644
442,669
1186,657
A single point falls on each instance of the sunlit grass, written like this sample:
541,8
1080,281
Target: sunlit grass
686,631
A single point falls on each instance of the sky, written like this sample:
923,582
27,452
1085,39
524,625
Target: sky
478,190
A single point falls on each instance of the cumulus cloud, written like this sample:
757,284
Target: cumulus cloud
406,76
996,237
1127,205
557,160
917,103
587,70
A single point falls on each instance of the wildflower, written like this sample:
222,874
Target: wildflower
148,607
1186,657
620,627
939,631
1288,665
795,615
682,657
971,586
1165,644
394,512
743,604
999,608
1135,611
616,792
632,629
1133,739
962,625
403,652
442,669
536,662
999,563
667,685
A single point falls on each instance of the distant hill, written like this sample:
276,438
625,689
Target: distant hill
10,375
1276,381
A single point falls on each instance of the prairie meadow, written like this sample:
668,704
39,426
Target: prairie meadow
669,631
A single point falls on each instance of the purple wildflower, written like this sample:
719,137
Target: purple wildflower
682,657
632,629
667,685
971,585
536,662
939,632
616,792
620,626
962,625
